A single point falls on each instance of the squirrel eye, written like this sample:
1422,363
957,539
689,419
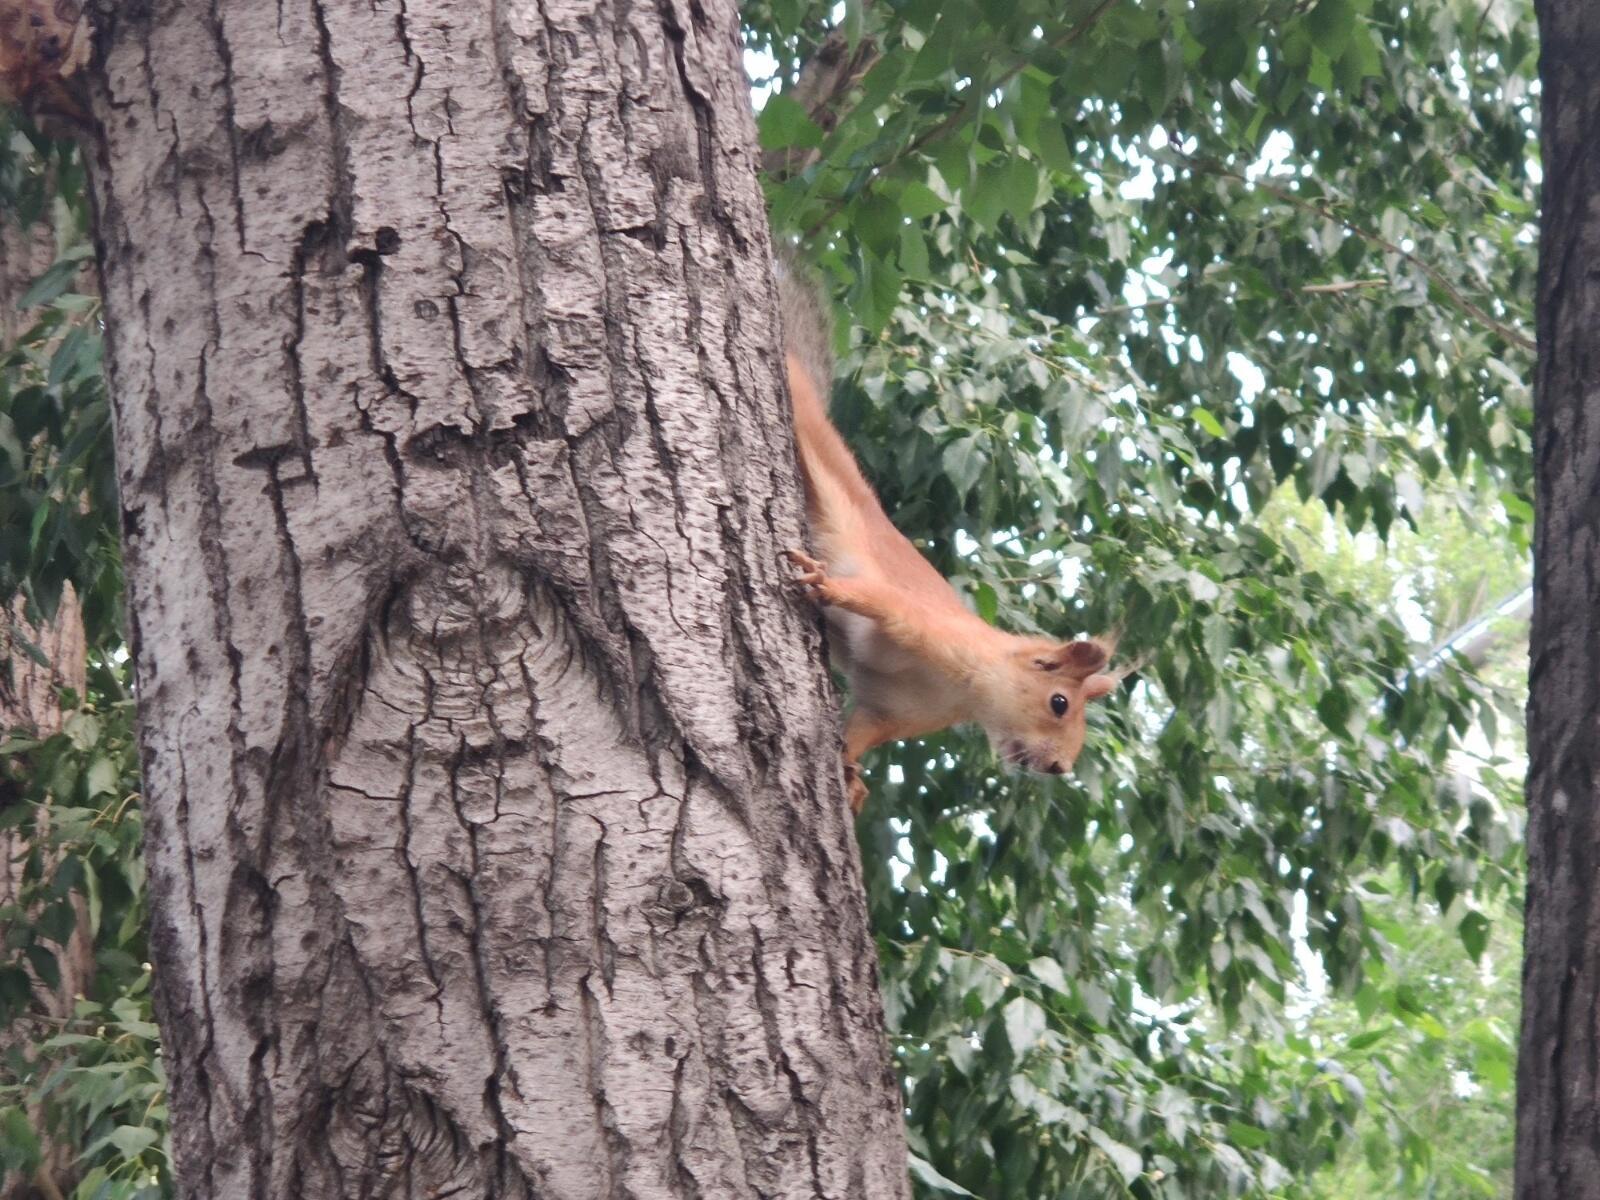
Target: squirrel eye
1058,704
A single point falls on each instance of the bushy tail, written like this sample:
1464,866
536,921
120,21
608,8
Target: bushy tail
832,477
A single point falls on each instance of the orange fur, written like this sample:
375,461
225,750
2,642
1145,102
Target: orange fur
918,660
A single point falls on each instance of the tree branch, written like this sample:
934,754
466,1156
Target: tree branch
825,80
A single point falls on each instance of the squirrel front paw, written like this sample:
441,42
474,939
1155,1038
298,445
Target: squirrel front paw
813,577
855,787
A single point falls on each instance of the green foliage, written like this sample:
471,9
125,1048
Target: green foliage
1442,1034
1129,291
93,1080
58,506
1202,318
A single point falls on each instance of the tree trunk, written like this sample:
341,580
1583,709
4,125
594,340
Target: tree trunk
496,834
1558,1073
30,698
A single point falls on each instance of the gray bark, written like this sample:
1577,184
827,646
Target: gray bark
496,834
1558,1071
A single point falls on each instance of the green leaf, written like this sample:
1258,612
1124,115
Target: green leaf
1371,1038
1021,190
877,221
987,601
914,253
985,198
1517,508
56,922
1248,1136
1050,144
41,515
919,201
1320,74
19,1145
1128,1162
1048,972
44,964
133,1140
964,461
1207,422
854,21
783,123
1202,587
1474,931
84,729
103,777
1024,1025
924,1174
56,279
878,293
1331,24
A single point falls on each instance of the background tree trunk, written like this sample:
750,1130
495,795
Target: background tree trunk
30,705
1558,1073
495,828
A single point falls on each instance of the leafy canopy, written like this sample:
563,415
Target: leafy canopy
1124,287
1130,292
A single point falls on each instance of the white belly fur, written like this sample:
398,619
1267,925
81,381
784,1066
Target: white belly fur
884,678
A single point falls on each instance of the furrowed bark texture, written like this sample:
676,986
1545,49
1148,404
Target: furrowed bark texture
496,835
1558,1073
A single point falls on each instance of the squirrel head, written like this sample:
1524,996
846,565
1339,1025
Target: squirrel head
1035,719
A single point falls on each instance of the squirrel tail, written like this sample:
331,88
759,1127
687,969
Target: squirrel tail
832,478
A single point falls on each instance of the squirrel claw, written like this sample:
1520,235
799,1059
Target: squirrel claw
814,574
855,788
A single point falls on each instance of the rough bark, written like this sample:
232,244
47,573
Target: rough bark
30,690
25,254
496,838
1558,1074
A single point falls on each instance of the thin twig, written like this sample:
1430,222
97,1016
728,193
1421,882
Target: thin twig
1118,310
1342,285
1132,667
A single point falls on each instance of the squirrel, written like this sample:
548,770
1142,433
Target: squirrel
917,659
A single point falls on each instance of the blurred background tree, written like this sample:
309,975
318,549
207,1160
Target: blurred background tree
1207,320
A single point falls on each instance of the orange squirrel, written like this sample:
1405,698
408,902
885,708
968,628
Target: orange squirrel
917,659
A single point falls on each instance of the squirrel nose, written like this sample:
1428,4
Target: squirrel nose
1057,769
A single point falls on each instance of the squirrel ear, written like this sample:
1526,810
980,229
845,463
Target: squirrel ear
1082,659
1099,685
1076,660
